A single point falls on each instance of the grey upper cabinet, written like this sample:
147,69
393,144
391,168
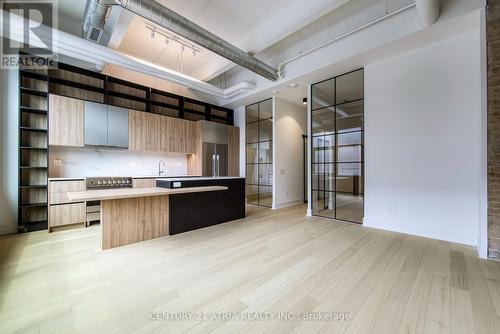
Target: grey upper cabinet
96,124
105,125
117,127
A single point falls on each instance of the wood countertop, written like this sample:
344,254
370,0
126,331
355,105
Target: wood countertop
109,194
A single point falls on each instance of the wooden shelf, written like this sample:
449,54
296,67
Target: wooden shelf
33,186
34,148
33,111
30,91
32,167
23,128
34,75
33,205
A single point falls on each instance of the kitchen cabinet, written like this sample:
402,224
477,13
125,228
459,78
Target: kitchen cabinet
106,125
96,124
117,127
179,131
156,133
62,211
66,121
145,131
66,214
59,189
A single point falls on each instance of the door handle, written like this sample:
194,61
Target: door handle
218,165
213,165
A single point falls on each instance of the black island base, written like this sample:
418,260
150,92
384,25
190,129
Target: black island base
193,211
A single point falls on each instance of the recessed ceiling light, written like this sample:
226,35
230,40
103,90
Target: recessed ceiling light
293,85
276,92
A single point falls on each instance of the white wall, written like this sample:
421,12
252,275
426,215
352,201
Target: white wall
239,121
9,125
83,162
290,123
423,120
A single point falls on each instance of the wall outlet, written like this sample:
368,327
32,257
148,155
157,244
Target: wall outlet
282,172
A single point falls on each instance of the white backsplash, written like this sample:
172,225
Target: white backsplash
84,162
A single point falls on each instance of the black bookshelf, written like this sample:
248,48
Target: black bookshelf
33,150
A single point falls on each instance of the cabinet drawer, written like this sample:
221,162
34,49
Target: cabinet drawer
59,189
143,183
66,214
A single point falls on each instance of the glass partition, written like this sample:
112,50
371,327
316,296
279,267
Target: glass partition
337,110
259,153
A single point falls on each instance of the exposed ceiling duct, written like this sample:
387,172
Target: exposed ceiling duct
168,19
77,48
428,12
94,20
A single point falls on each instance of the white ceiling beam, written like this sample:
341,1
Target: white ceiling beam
285,22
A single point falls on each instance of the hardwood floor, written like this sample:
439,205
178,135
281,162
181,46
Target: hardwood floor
272,261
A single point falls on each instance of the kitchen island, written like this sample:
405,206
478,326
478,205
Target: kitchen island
131,215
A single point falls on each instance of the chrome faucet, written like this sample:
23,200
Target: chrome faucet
162,168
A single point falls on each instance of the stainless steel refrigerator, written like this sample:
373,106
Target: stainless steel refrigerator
214,159
215,149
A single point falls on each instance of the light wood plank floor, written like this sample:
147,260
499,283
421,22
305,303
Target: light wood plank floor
272,261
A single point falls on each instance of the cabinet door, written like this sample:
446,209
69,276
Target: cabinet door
66,214
66,121
117,127
178,133
144,131
59,189
96,124
136,130
153,134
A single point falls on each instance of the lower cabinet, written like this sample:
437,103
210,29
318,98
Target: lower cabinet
62,211
66,214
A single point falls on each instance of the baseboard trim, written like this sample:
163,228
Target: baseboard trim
433,233
4,230
288,204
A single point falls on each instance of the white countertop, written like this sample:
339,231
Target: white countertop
66,179
166,178
110,194
198,178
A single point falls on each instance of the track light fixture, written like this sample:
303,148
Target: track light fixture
172,37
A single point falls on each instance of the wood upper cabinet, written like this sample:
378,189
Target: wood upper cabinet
66,121
233,151
179,135
144,131
155,133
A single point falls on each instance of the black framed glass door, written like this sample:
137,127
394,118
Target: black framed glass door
337,147
259,153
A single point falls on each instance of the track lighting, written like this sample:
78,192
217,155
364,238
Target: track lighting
170,37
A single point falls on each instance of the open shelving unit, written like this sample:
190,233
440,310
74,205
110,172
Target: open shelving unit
33,150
